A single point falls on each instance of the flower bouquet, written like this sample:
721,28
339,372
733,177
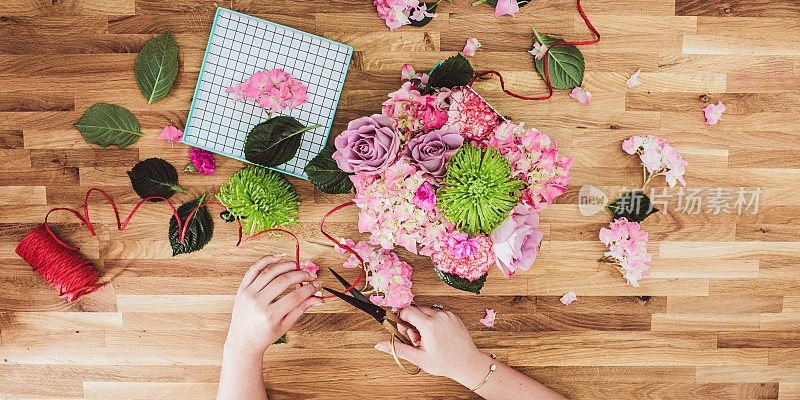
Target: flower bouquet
440,173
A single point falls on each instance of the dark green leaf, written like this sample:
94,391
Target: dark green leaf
429,7
282,339
564,63
326,176
461,283
105,124
493,3
274,141
199,232
634,206
156,67
453,72
154,177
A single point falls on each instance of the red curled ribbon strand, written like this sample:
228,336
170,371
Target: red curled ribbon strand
184,225
546,71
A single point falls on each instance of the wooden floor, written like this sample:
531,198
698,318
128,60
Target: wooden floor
718,319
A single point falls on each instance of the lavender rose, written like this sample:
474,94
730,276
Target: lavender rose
516,240
431,151
369,145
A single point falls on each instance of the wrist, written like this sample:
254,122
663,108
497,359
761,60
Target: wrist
473,370
240,351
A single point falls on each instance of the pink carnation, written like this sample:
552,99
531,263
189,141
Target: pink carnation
472,267
425,198
472,115
627,249
203,160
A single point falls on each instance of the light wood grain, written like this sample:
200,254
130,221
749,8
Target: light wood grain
719,317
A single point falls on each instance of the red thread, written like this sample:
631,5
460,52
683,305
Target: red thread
74,276
546,72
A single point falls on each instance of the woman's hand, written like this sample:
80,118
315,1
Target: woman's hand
259,316
445,347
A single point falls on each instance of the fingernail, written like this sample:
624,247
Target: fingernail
316,285
380,347
313,275
318,304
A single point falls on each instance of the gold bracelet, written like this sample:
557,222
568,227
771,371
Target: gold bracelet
491,369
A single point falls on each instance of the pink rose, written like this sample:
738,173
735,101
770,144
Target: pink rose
369,145
203,160
516,240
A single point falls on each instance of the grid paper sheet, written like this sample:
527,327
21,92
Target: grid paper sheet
240,45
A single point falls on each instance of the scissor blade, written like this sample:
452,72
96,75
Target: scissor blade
376,312
346,284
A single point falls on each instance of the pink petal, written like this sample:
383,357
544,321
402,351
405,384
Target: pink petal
634,80
488,320
503,7
714,113
472,46
581,94
407,73
171,134
568,298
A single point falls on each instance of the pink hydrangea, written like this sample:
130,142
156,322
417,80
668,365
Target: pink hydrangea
388,277
568,298
389,212
471,267
413,111
471,47
713,112
658,157
534,159
490,317
273,90
627,249
397,13
472,115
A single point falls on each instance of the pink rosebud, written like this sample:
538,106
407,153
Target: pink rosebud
568,298
425,198
472,46
203,160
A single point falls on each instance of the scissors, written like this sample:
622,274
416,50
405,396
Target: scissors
385,317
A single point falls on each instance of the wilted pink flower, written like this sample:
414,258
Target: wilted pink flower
516,241
634,80
714,113
171,134
538,50
627,249
503,7
203,160
568,298
425,198
368,146
471,47
581,94
273,90
488,320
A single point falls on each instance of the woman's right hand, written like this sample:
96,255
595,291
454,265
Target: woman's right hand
444,346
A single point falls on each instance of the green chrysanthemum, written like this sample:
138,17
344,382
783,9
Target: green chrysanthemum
477,193
261,198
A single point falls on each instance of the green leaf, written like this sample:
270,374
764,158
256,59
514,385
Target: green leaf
453,72
105,124
326,176
564,63
429,7
282,339
199,232
154,177
461,283
156,67
634,206
274,141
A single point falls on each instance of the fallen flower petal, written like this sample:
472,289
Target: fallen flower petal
503,7
488,320
471,47
582,95
714,113
634,80
568,298
171,134
538,50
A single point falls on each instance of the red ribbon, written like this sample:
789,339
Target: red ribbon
546,71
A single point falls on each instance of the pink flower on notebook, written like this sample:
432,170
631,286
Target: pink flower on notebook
273,90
